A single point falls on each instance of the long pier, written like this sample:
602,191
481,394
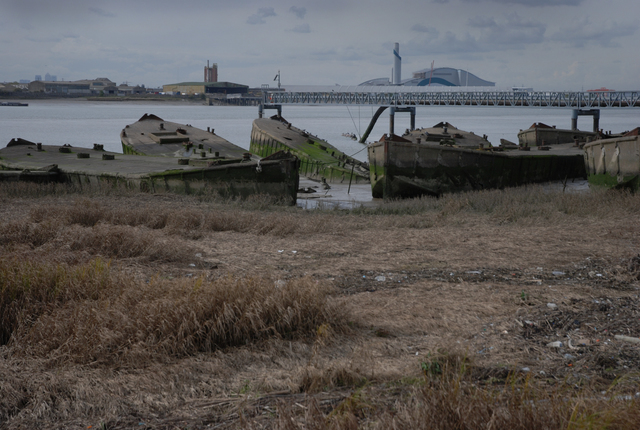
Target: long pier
419,96
406,99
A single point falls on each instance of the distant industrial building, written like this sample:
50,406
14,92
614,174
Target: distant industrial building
86,87
195,88
209,86
211,73
441,76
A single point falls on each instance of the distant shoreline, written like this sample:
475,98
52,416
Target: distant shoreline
193,100
162,99
153,97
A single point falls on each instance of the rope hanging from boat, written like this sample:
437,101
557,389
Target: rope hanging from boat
354,123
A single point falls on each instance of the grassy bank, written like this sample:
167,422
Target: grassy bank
121,310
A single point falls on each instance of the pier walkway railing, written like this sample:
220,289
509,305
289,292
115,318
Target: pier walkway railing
404,97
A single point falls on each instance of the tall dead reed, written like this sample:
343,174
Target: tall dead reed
93,314
30,289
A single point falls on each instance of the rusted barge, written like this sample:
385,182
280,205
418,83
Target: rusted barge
276,176
318,159
614,162
416,165
152,135
540,134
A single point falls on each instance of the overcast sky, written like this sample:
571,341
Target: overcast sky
544,44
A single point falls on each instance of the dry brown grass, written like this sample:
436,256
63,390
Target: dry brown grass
92,314
206,317
448,396
29,290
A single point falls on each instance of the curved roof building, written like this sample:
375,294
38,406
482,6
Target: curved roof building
447,76
442,76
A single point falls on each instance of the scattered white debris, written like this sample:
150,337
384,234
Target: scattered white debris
627,338
557,273
380,278
552,306
556,344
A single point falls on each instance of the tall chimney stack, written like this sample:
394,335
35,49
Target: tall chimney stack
397,64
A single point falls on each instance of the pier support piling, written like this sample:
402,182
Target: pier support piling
392,115
263,106
595,113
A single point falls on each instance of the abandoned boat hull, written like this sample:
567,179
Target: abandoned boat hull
318,159
445,132
151,135
541,134
97,169
613,163
408,169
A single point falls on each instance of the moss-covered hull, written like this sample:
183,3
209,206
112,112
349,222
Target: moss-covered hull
613,163
318,159
96,169
407,169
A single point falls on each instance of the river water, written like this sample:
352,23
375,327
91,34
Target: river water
82,123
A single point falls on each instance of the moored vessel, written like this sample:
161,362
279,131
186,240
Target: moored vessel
13,104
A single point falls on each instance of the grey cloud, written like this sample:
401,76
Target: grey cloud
584,33
345,54
421,28
481,22
302,28
259,17
300,12
512,33
447,44
430,31
101,12
440,1
266,11
515,32
533,3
